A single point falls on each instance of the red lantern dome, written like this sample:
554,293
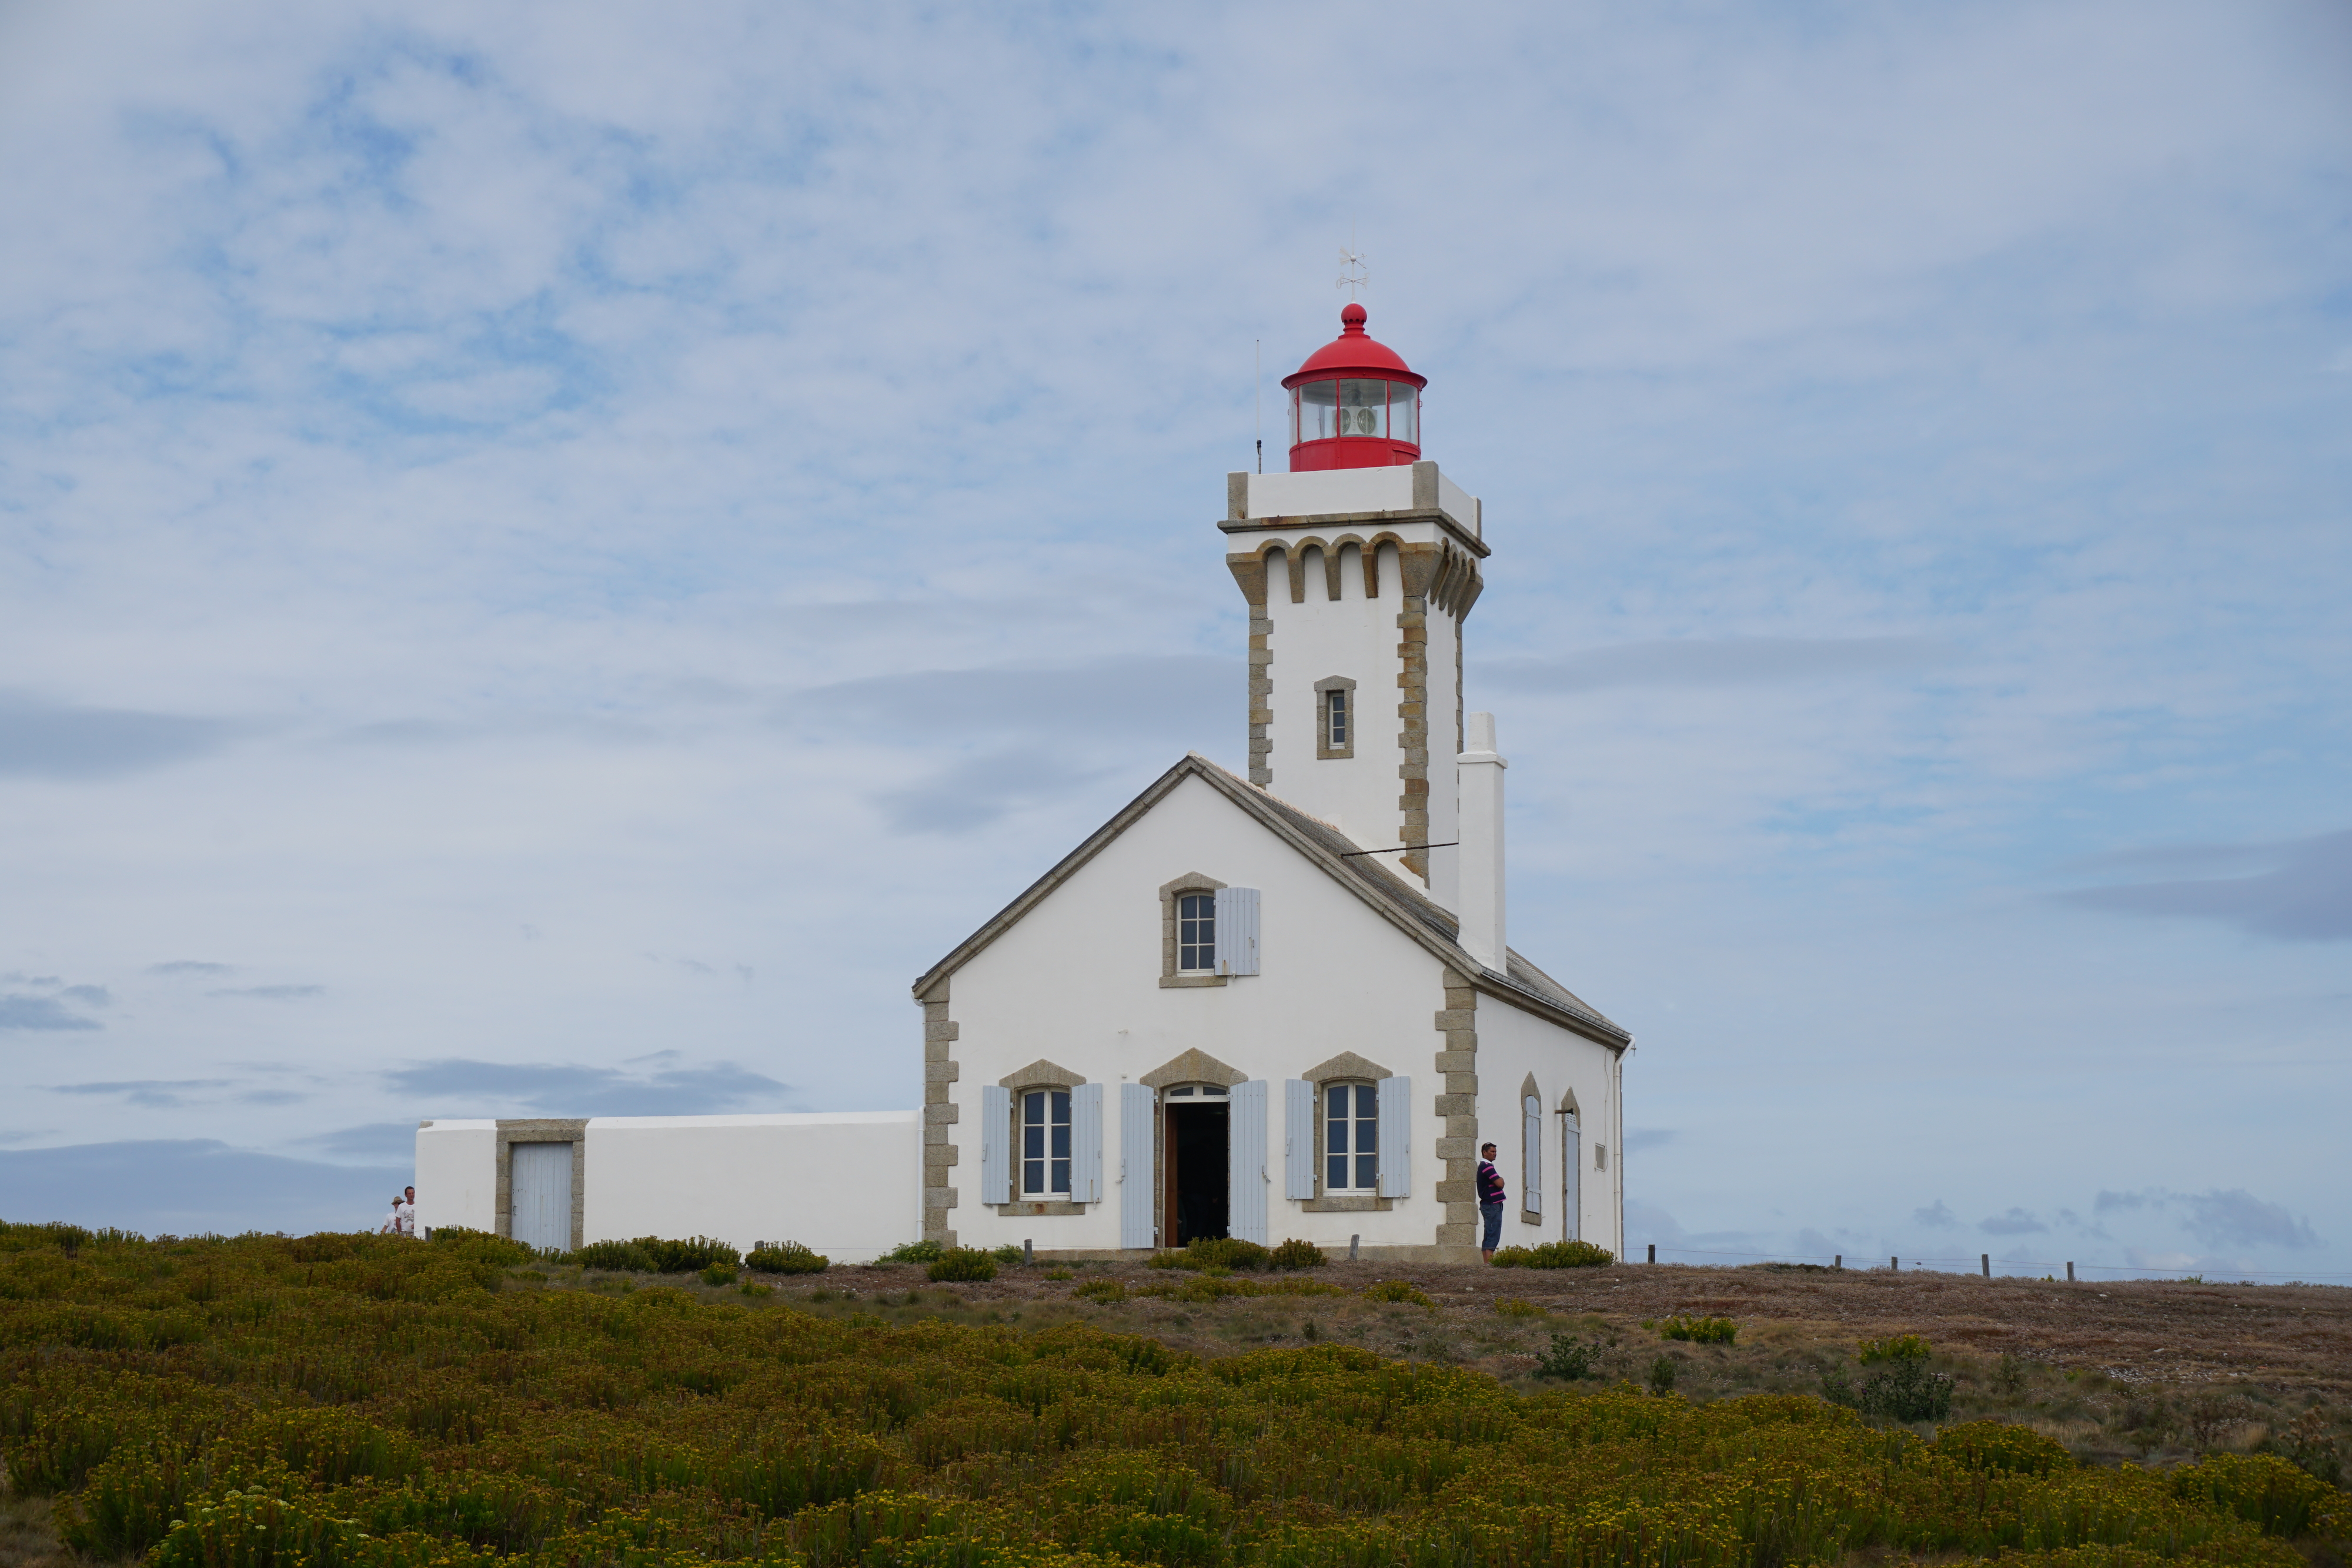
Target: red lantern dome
1354,404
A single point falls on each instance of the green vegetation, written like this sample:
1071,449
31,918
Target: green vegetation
364,1402
1699,1330
963,1263
1512,1307
1224,1254
785,1257
1554,1255
914,1252
1905,1391
1402,1290
645,1255
1567,1357
1900,1347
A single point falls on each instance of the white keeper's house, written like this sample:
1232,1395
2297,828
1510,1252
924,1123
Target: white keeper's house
1272,1006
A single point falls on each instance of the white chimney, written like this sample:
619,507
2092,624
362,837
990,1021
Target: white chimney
1480,772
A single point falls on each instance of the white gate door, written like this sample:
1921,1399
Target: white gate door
541,1192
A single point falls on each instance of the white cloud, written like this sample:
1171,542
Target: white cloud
607,476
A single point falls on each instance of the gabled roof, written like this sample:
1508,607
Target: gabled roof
1389,895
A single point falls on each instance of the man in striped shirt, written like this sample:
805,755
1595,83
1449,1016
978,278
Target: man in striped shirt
1490,1200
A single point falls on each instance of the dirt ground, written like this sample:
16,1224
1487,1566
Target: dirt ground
2155,1372
2135,1332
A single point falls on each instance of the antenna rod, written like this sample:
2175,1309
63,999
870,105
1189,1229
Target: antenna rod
1257,396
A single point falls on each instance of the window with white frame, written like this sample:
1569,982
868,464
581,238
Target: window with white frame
1334,719
1196,933
1046,1144
1351,1138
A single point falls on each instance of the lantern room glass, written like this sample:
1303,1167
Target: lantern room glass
1317,410
1363,409
1404,412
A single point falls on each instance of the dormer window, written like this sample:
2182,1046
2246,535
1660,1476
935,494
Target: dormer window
1196,933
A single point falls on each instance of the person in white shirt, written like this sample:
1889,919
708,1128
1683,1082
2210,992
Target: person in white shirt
391,1226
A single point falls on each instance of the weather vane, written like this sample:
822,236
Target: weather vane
1353,273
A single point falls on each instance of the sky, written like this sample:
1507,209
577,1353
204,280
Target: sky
552,558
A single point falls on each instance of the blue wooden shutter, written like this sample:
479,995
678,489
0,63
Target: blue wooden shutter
1086,1144
1531,1135
1297,1138
995,1143
1237,931
1248,1178
1396,1137
1135,1165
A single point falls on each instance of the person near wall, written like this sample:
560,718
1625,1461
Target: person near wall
406,1210
391,1226
1490,1201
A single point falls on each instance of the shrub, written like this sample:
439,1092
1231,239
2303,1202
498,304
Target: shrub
1570,1358
1402,1290
914,1252
482,1246
719,1274
1296,1254
963,1263
2309,1446
1554,1255
1699,1330
1100,1291
2265,1490
1512,1307
1215,1252
1059,1274
689,1256
2003,1447
1894,1348
618,1256
785,1257
657,1254
1905,1391
1662,1375
1008,1254
751,1289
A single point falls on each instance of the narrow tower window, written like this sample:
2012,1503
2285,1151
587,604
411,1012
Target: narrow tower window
1196,933
1335,717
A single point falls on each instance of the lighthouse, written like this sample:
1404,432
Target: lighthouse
1274,1007
1360,566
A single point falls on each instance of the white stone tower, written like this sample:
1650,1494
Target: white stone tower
1360,566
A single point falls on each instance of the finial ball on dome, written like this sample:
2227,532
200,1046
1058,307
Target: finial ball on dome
1352,317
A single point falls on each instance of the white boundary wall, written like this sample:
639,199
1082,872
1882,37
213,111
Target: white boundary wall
847,1184
458,1176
